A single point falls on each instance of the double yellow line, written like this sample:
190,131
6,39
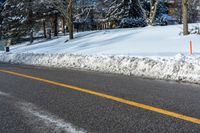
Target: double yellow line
113,98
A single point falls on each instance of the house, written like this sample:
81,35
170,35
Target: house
175,10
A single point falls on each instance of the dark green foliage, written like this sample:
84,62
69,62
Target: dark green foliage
127,13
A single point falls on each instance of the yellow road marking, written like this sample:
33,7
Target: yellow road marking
113,98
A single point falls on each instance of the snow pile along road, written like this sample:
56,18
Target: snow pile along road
180,67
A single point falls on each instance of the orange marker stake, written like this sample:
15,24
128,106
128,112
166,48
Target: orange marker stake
190,47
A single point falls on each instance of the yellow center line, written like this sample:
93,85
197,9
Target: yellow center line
113,98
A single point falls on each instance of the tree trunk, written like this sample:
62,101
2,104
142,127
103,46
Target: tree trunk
30,21
70,19
55,25
44,28
153,11
63,25
185,17
31,37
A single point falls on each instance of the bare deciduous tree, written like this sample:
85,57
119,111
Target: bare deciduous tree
65,7
153,11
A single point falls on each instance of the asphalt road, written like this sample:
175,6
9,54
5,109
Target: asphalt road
31,106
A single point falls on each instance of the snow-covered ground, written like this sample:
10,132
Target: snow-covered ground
153,52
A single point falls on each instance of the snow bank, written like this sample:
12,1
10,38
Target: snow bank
180,67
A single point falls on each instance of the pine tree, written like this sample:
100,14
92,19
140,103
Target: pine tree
1,18
87,14
14,19
127,13
22,18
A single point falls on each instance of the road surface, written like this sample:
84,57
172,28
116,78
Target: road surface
40,100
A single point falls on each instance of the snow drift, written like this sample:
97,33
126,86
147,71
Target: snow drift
179,68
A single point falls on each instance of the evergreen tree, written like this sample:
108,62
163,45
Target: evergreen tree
14,18
21,18
86,14
1,17
127,13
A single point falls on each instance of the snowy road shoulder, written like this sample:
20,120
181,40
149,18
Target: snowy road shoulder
179,68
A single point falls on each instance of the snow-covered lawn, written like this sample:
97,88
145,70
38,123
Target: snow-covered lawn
148,41
153,52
